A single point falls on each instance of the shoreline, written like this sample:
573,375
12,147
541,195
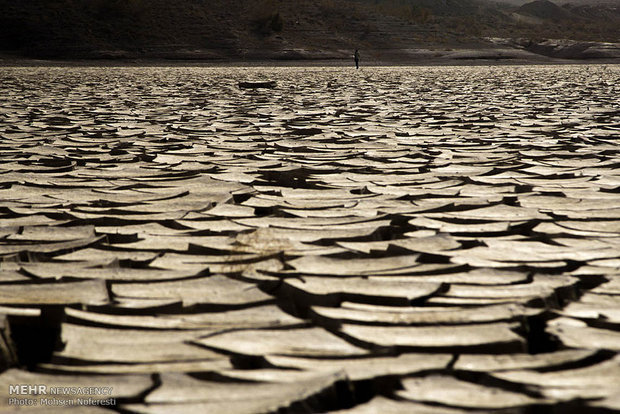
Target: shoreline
159,62
498,55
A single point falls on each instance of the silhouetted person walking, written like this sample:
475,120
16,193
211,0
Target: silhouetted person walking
356,56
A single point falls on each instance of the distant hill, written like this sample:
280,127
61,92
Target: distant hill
546,10
615,3
280,29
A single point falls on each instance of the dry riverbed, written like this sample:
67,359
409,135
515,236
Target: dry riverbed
388,240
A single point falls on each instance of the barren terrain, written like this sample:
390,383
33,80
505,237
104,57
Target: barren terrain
388,240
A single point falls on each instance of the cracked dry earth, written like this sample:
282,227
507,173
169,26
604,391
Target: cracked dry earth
391,240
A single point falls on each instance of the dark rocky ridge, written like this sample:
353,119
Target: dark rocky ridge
270,29
544,9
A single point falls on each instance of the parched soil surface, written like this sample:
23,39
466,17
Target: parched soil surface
388,240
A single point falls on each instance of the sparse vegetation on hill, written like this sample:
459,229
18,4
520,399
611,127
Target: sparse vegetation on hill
282,29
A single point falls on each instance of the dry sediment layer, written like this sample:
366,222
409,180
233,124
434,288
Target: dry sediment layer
386,240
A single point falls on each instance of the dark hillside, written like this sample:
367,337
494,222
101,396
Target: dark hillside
278,29
545,9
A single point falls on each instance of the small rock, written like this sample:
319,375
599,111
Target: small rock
258,84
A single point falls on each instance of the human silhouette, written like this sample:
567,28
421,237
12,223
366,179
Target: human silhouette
356,56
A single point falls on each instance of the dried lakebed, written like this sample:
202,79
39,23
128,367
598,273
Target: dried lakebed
389,240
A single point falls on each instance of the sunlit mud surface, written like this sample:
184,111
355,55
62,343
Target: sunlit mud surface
388,240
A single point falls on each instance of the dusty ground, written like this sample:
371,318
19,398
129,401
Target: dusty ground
389,240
